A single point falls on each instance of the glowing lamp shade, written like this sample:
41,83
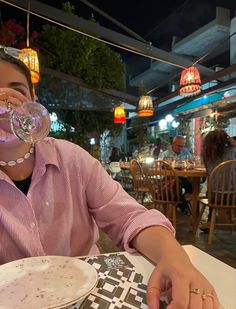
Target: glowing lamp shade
145,106
119,115
190,82
30,59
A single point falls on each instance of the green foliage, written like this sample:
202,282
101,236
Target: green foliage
93,62
213,123
86,125
91,124
142,90
137,136
68,7
184,129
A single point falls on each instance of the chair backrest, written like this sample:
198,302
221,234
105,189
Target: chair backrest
163,182
222,185
138,176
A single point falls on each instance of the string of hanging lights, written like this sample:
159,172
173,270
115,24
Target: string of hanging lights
190,80
145,106
119,114
29,56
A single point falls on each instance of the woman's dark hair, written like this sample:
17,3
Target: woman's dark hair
215,144
115,155
20,66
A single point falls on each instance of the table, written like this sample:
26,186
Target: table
124,276
195,176
124,165
221,275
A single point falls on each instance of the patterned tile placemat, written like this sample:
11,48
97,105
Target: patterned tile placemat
119,285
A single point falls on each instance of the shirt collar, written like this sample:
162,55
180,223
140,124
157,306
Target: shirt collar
46,152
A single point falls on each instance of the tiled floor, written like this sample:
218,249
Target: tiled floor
223,246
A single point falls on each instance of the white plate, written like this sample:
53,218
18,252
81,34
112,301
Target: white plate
45,282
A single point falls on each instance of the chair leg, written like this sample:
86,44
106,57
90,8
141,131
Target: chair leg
174,216
212,225
142,198
231,220
199,219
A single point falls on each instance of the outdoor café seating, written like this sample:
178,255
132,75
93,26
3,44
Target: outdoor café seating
140,183
221,197
165,189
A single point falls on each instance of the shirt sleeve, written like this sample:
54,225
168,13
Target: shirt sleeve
116,212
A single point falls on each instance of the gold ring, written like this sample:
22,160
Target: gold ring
204,296
195,291
3,96
9,106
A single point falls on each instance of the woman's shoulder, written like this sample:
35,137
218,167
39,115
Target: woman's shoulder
231,153
63,148
59,144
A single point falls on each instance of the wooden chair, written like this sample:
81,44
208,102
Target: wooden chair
165,188
126,180
221,196
139,179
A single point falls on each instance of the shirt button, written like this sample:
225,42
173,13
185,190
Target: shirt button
32,225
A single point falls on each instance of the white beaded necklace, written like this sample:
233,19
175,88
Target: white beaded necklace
18,161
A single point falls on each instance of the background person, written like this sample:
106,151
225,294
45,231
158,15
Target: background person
115,155
217,147
53,202
176,150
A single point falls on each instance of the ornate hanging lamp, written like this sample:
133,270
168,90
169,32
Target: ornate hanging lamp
190,82
30,59
30,56
119,114
145,106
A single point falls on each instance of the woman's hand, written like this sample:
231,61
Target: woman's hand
183,284
10,96
174,274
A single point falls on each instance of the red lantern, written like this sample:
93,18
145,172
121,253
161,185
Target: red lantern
119,115
190,82
145,106
30,59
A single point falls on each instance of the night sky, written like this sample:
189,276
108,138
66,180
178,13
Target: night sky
155,21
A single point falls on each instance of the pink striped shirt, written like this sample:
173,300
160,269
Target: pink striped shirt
70,196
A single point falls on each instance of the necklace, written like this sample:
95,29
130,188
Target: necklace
18,161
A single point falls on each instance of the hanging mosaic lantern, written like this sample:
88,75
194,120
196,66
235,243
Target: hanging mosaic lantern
145,106
119,114
30,59
190,82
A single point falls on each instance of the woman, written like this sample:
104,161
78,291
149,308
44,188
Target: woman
115,155
217,147
49,200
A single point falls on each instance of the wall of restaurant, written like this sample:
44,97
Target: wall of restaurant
231,129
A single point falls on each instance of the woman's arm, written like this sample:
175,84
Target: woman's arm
174,272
